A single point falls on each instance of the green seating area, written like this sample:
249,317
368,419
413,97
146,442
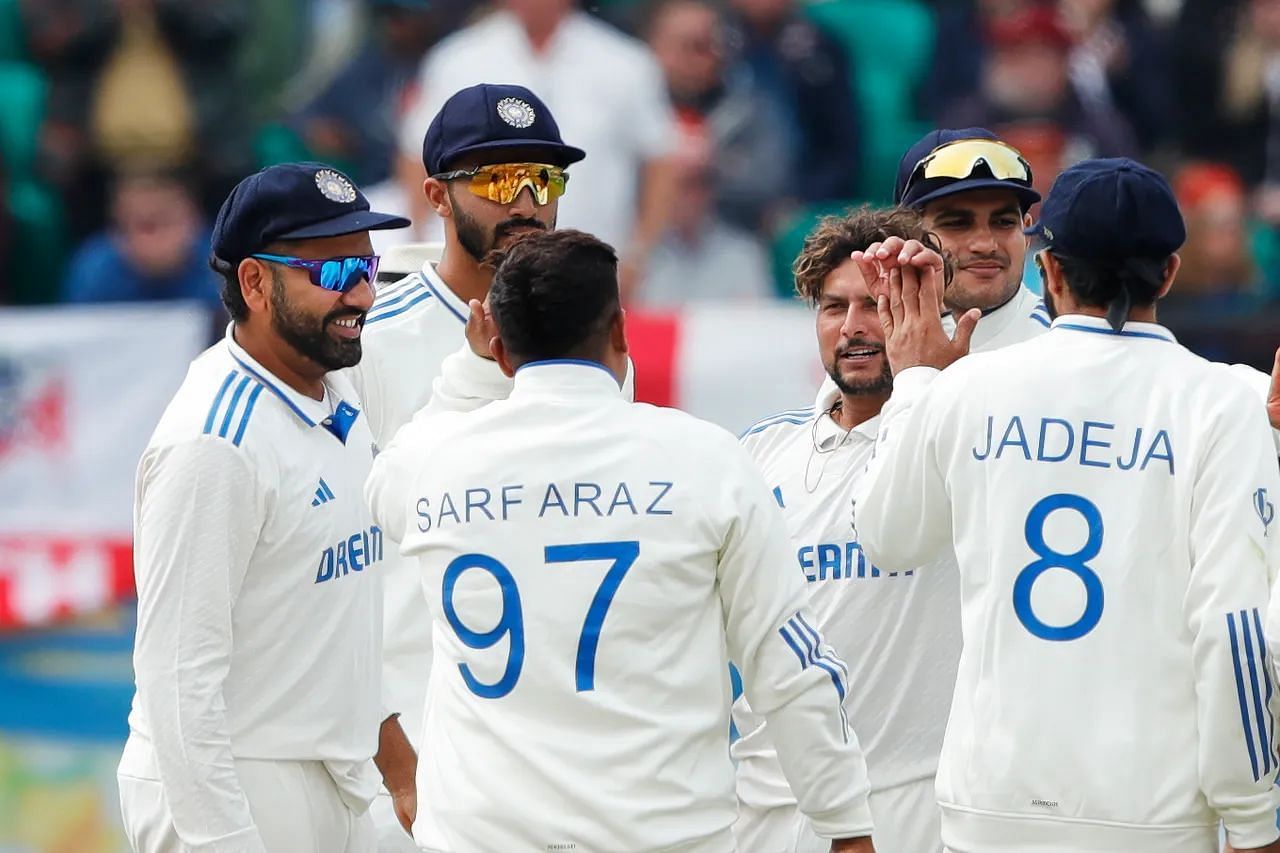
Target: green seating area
890,42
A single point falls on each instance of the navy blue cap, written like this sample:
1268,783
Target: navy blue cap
493,115
925,191
1111,210
292,201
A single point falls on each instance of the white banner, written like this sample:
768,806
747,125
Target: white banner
81,390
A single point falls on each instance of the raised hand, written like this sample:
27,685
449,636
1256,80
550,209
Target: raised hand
911,321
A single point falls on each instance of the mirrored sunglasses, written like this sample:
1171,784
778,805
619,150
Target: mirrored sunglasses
959,159
503,182
336,274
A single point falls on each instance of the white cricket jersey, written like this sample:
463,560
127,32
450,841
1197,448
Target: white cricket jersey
413,325
898,631
1101,491
591,566
259,604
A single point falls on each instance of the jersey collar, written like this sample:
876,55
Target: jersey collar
565,376
455,306
827,431
311,412
1099,326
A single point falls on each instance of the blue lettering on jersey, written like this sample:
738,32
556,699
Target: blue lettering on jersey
1091,444
586,493
568,500
354,554
832,561
665,487
621,498
447,510
547,502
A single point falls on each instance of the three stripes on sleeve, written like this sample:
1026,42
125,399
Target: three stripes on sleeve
1253,689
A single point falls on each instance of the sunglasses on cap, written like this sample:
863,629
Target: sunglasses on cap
959,159
336,274
502,182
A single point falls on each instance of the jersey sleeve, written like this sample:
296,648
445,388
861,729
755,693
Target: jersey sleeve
1225,603
901,510
466,383
789,674
200,510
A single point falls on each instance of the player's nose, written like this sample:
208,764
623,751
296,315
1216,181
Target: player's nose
360,296
984,240
524,205
858,322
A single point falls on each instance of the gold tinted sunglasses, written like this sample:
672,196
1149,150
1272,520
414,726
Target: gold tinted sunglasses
959,159
502,182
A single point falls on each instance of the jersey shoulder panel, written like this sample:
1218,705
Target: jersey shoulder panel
779,423
223,400
398,304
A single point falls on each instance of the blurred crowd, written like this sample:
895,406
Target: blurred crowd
717,131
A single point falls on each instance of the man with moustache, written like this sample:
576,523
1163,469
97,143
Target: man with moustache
900,630
974,192
258,703
496,168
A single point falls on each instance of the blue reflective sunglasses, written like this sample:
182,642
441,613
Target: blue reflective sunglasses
336,274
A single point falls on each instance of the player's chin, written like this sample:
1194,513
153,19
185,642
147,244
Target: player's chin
980,290
342,353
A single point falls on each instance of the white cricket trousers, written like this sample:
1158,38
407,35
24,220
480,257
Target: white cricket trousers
295,804
907,820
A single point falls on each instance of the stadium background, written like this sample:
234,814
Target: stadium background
104,216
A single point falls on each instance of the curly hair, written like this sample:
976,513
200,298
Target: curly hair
836,237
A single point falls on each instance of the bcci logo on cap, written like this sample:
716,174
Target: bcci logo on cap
335,187
516,112
1264,508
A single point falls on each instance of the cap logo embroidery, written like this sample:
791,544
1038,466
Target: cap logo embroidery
516,112
335,187
1048,235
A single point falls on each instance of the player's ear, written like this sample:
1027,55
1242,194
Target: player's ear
255,284
438,197
1171,268
618,333
500,355
1051,275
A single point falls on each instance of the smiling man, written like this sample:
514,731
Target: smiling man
899,630
258,705
974,193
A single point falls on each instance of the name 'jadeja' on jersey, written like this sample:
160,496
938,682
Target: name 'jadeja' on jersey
557,500
1093,444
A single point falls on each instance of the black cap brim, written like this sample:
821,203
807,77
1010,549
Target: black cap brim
1026,196
348,223
559,154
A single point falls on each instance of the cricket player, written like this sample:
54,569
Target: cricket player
901,628
1100,486
495,163
258,706
591,565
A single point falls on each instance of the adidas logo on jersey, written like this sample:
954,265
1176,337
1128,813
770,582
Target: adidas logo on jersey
324,494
